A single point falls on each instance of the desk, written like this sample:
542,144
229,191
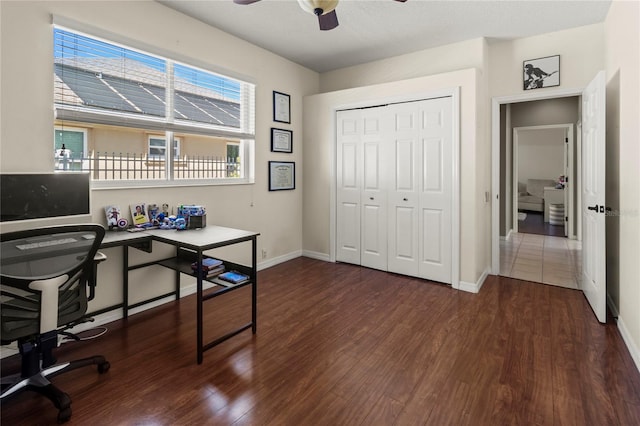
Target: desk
190,245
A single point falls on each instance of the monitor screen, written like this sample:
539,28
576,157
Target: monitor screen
43,195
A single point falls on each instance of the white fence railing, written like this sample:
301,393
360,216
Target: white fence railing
133,166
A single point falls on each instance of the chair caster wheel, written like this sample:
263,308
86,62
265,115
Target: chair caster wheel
104,367
64,415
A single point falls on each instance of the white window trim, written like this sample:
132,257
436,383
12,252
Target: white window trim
246,133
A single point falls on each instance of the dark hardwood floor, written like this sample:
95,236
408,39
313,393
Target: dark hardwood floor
343,345
535,224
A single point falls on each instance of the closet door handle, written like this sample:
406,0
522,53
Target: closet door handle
371,198
405,199
594,208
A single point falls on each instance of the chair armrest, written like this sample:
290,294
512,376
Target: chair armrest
92,281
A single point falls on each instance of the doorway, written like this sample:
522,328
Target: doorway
538,190
544,180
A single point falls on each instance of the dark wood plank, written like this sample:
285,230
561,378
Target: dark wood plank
343,345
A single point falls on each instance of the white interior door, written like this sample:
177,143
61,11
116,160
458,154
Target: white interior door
373,237
593,196
404,194
436,188
348,197
420,199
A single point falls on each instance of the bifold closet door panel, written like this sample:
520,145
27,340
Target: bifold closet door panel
436,186
373,238
404,193
349,184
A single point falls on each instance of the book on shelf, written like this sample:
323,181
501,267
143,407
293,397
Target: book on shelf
211,273
207,264
234,277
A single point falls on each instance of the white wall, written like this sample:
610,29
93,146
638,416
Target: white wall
622,38
581,53
26,102
540,154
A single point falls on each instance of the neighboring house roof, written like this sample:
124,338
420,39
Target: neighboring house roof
98,82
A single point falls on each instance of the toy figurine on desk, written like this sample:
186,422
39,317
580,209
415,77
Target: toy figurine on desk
114,218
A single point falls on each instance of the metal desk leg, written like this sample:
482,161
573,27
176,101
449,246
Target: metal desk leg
125,281
254,285
199,306
177,279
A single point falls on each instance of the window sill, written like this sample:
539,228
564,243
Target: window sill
126,184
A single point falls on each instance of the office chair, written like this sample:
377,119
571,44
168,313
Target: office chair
44,275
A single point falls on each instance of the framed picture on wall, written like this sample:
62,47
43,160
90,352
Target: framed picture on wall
541,72
281,107
282,175
281,140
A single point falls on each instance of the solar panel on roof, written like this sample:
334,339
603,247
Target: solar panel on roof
137,94
115,93
88,87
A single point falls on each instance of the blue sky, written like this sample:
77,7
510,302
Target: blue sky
71,45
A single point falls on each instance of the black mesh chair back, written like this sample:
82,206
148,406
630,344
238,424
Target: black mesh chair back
44,275
45,254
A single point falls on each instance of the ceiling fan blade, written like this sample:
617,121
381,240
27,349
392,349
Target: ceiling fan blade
245,1
328,21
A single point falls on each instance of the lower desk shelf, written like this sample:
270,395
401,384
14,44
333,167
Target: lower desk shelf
183,265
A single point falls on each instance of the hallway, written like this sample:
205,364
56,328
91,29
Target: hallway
543,259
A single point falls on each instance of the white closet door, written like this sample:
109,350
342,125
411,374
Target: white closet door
349,177
374,194
404,194
436,185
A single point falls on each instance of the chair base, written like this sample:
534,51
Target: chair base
40,383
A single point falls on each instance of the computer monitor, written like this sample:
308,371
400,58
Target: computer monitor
43,195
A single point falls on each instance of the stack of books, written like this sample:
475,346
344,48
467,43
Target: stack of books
234,277
210,267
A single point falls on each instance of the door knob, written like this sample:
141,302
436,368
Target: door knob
594,208
405,199
371,198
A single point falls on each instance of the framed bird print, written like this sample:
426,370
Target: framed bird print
541,72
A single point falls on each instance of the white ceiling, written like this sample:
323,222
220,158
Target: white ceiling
374,29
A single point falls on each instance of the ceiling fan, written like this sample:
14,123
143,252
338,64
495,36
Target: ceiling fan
323,9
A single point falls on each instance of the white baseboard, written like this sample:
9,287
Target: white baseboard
628,340
316,255
279,259
508,237
474,287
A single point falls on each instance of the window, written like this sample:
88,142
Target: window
70,147
122,93
158,147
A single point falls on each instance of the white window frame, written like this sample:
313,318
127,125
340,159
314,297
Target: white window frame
176,147
246,132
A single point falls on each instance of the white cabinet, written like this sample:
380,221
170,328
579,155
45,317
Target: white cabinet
395,188
552,196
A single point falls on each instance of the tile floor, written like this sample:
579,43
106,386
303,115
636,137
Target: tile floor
542,258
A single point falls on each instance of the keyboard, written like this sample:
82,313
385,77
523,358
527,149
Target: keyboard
48,243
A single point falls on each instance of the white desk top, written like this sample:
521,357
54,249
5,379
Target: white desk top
204,238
